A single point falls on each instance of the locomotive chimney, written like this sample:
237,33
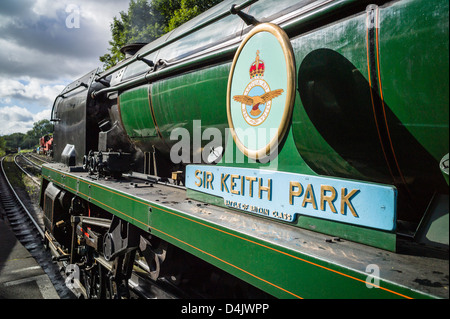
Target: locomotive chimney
130,49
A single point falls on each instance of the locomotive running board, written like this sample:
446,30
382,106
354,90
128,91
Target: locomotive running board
253,248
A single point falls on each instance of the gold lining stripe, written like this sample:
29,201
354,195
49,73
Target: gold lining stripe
152,113
382,101
217,229
369,76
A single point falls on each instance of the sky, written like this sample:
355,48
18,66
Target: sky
44,46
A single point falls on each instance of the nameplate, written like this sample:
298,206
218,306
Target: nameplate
282,195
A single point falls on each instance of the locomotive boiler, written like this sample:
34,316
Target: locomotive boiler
284,147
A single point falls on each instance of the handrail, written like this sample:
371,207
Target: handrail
306,16
168,70
235,8
62,95
77,86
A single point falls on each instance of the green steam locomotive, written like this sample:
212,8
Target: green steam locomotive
289,149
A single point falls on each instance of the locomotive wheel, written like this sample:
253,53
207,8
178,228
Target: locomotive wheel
105,284
97,283
153,256
92,282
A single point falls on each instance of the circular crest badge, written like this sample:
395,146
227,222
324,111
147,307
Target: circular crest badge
261,91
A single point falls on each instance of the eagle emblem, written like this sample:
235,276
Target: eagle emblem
256,101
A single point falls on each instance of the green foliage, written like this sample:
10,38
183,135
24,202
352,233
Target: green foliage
144,24
29,140
40,129
2,146
14,140
147,20
118,41
188,10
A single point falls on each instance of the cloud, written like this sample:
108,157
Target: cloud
15,8
41,41
29,91
15,119
32,95
43,50
42,115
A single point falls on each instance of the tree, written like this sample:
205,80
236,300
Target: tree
118,41
40,128
142,23
147,20
31,138
189,9
166,9
14,140
2,146
29,142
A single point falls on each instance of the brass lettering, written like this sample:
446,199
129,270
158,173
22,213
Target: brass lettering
200,182
208,180
233,184
223,185
309,197
251,180
204,179
329,199
293,193
267,189
345,201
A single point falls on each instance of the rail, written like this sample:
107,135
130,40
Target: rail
24,171
7,187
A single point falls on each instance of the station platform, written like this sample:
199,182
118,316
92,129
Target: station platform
21,277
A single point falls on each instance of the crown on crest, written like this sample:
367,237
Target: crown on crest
257,69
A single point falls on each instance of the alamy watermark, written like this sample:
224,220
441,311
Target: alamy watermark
188,148
73,16
373,279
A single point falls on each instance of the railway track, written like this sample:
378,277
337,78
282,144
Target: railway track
28,228
31,169
37,158
76,280
29,231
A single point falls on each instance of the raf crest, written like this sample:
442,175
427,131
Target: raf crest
261,91
256,101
